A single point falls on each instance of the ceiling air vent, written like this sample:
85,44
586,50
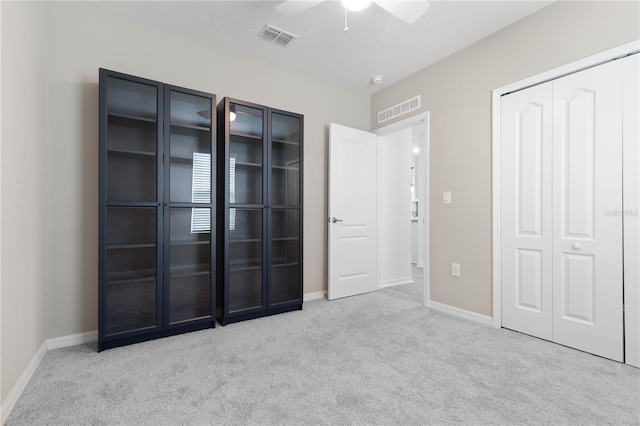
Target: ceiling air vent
400,109
276,35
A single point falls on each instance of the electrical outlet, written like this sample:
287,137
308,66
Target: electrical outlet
455,269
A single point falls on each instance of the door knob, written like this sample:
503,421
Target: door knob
576,246
335,219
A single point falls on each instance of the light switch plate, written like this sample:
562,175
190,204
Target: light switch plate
455,269
446,197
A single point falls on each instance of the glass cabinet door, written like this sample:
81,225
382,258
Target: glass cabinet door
188,189
130,285
189,275
285,256
285,160
245,154
190,144
245,259
131,140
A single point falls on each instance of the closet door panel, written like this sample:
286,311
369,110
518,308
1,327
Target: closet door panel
587,246
526,211
631,212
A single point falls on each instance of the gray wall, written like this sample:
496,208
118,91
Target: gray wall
23,275
457,91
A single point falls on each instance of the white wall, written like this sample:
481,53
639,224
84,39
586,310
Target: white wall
457,92
23,191
394,207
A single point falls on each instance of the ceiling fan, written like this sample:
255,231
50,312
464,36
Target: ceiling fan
407,10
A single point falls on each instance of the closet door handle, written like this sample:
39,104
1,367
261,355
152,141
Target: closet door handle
576,246
335,219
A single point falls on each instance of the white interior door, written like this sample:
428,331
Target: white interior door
587,246
352,212
526,181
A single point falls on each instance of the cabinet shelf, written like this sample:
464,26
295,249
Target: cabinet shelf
285,238
131,152
284,142
190,270
125,277
131,117
284,265
182,157
244,265
130,246
284,168
191,126
245,240
245,164
111,282
189,274
190,242
244,268
246,137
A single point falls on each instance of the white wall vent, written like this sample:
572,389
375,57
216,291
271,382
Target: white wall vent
400,109
276,35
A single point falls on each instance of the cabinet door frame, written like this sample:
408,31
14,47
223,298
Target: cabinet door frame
167,205
224,129
266,308
160,205
271,206
104,204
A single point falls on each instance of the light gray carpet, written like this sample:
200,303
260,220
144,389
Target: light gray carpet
370,359
413,291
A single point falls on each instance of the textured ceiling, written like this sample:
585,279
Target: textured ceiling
377,43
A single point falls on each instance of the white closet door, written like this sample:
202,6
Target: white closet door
631,215
526,136
587,191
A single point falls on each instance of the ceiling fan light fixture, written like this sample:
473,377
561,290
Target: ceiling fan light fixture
355,5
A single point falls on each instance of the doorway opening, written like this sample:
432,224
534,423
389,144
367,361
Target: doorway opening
403,214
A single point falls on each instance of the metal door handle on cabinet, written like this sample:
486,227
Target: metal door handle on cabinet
335,219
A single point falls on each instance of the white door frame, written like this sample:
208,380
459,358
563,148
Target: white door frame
416,120
591,61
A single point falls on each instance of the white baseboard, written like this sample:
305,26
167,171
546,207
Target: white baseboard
72,340
396,281
47,345
314,296
22,382
462,313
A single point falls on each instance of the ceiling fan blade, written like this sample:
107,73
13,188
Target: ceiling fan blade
292,7
407,10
